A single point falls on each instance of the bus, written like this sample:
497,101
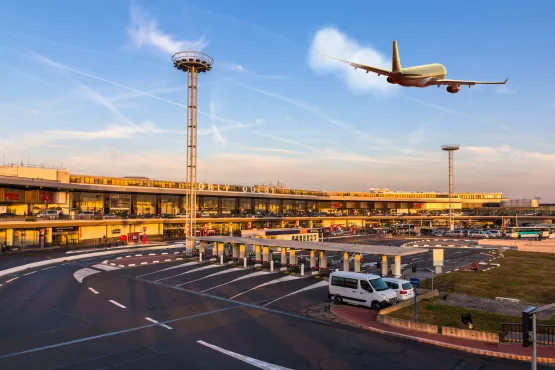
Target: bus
528,232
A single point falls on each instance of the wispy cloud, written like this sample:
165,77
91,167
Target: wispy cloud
31,77
233,67
110,132
508,89
335,43
273,150
241,69
144,31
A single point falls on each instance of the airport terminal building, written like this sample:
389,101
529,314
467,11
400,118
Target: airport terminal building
118,207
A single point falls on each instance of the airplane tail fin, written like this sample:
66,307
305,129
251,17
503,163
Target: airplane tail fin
396,62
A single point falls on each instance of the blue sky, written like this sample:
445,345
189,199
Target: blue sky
90,86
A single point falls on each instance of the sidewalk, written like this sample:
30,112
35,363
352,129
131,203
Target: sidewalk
367,319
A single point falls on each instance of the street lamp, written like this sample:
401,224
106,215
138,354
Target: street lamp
450,148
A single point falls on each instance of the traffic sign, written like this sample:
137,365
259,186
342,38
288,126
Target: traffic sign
144,228
415,282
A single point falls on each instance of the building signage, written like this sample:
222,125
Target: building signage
45,196
244,189
437,257
14,195
116,231
65,229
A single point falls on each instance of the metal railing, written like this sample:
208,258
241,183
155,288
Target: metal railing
512,332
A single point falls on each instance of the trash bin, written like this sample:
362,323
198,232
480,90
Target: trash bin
413,267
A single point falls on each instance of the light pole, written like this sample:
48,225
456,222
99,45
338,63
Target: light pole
450,149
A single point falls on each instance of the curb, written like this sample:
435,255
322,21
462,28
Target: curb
509,356
164,257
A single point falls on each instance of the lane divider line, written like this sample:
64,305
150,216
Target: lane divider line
117,304
158,323
92,290
29,273
48,268
17,277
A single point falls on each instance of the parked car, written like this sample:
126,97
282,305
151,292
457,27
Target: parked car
403,288
360,289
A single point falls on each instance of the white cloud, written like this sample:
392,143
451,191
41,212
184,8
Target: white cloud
508,89
335,43
144,31
110,132
233,67
273,150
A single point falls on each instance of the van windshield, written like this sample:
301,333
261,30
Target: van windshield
378,284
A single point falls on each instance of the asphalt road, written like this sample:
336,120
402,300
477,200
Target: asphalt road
48,320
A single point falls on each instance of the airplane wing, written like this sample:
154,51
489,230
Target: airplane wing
463,83
377,70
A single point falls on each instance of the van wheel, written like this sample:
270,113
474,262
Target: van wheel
337,300
376,306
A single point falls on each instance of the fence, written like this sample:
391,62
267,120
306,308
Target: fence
441,286
512,332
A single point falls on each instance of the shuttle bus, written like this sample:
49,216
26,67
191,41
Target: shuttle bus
528,232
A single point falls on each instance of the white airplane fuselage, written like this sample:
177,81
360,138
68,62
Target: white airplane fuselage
417,76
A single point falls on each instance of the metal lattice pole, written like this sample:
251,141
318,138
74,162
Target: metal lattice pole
193,63
450,149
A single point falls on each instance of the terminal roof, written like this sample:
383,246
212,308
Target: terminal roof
379,250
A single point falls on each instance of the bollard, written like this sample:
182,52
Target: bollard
200,257
221,259
302,269
245,262
272,265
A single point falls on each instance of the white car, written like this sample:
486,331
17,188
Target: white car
402,288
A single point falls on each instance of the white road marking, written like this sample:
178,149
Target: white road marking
138,254
48,268
117,304
157,322
170,268
121,265
131,265
319,284
92,290
118,258
193,270
105,267
254,274
155,261
249,360
214,274
29,273
79,275
164,252
280,280
144,263
168,260
17,277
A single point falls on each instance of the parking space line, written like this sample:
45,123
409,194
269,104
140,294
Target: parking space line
254,274
117,304
193,270
310,287
282,279
92,290
170,268
157,322
214,274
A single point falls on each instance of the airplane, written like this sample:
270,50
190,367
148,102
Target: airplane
419,76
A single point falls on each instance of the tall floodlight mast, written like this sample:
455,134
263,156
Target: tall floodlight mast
450,149
193,63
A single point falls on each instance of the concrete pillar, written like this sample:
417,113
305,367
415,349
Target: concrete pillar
200,257
312,258
310,224
242,250
345,261
384,266
297,223
221,259
266,254
258,255
283,256
292,257
357,262
9,237
282,224
202,247
323,260
245,262
235,250
189,246
48,236
221,248
272,265
302,269
397,267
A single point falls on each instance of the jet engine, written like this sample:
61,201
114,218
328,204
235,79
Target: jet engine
453,89
391,81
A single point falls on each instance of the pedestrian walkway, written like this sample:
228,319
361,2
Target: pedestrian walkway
366,318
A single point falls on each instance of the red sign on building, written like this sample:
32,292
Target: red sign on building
45,196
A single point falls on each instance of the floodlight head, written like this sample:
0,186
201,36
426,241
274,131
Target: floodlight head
188,60
450,147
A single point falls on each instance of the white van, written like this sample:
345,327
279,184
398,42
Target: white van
361,289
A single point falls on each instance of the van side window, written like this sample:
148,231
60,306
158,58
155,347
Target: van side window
337,281
351,283
366,286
